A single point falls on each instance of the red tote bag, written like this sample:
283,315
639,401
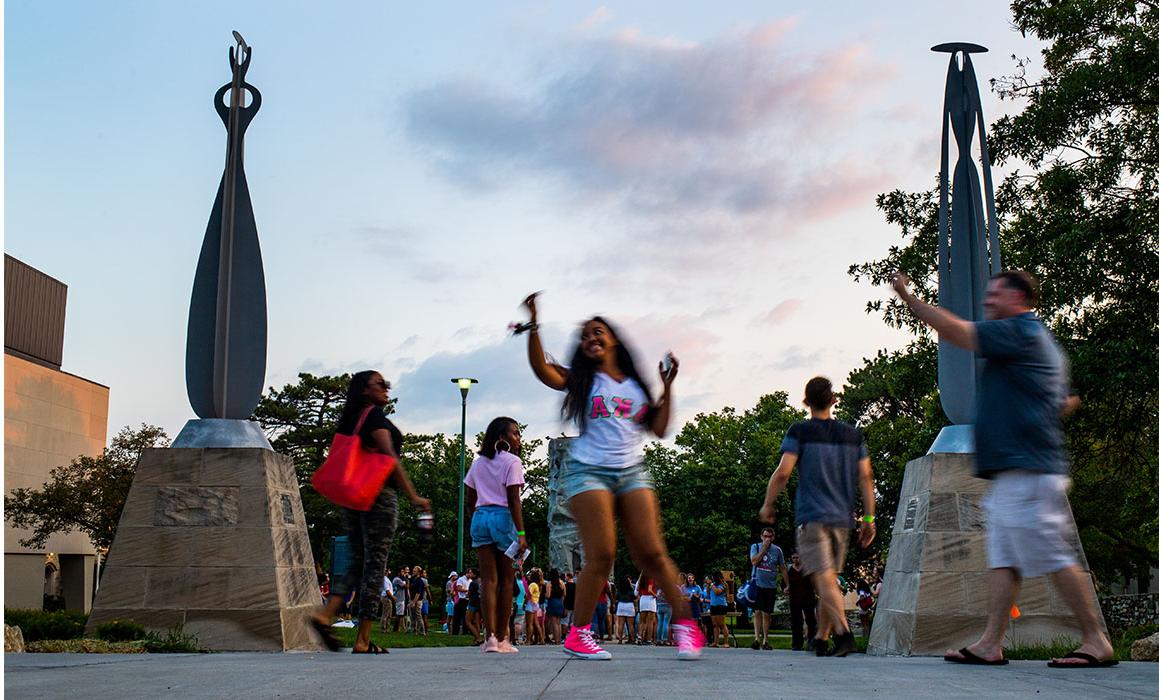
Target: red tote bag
351,476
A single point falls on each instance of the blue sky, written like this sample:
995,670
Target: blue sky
702,173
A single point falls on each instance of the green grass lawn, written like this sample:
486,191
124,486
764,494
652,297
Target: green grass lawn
402,640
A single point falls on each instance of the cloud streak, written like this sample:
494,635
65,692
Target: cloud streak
661,126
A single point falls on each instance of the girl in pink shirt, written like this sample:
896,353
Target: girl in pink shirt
496,511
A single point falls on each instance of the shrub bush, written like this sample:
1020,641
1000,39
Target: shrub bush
1123,644
120,631
175,641
40,624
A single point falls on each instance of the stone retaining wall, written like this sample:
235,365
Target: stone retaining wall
1123,612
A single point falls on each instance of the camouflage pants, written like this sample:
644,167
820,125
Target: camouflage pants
371,533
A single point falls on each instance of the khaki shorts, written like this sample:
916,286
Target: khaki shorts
822,547
1029,527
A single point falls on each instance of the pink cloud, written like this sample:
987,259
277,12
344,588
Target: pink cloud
779,313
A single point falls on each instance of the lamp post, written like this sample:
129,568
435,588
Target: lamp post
464,386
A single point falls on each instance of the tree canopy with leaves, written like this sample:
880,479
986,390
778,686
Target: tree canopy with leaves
86,495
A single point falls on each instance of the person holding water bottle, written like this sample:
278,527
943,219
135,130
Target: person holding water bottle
493,501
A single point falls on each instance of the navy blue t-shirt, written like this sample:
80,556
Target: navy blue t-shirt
828,452
1021,393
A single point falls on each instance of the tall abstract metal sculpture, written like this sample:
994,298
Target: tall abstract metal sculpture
213,537
225,357
968,251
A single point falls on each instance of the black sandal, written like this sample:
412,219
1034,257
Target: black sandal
371,649
969,658
332,642
1089,661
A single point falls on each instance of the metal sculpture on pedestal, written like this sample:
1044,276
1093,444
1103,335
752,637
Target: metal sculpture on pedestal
936,585
213,537
225,355
968,251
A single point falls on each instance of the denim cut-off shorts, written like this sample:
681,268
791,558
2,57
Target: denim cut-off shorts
492,525
580,476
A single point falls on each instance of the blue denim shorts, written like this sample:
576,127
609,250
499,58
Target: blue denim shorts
579,477
492,525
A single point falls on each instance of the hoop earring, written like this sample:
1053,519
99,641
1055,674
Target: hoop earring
501,440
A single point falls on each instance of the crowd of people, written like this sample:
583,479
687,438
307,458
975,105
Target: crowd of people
543,605
1023,395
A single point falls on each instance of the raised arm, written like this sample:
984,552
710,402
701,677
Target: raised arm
949,327
663,413
549,373
756,558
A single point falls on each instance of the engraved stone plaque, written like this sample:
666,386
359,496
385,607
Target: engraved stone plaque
196,505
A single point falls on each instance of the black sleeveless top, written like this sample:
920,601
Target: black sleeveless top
375,420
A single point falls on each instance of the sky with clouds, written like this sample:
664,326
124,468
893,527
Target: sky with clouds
701,173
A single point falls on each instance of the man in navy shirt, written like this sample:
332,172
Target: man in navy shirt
833,463
1023,394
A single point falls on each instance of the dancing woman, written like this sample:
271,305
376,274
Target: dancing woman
614,409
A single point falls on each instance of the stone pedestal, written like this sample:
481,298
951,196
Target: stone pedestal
215,540
564,549
935,593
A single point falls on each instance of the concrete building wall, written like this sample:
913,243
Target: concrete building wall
50,418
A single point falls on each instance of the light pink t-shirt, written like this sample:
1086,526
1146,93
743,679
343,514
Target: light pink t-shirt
491,477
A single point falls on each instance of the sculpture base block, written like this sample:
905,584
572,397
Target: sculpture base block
935,593
214,540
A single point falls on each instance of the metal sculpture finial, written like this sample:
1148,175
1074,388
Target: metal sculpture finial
225,355
968,252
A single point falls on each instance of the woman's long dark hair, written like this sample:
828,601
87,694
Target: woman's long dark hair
356,399
496,429
582,374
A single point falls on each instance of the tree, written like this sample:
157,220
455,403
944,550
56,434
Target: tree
86,495
1084,218
712,483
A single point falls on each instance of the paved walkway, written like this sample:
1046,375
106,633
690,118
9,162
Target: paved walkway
540,672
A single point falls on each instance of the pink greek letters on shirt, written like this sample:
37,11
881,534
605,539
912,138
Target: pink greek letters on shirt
641,414
599,410
623,406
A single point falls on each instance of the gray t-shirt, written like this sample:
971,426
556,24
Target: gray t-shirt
828,452
1021,394
765,572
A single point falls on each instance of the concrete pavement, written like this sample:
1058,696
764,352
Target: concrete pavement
542,672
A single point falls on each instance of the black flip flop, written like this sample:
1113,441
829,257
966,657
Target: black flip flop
969,658
372,649
332,643
1091,662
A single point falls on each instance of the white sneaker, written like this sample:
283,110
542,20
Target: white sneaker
491,645
506,647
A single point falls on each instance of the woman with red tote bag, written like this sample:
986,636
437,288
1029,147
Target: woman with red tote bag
370,531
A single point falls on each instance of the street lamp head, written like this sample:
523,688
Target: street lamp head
464,384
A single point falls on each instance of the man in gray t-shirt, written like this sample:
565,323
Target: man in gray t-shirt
1023,394
767,560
